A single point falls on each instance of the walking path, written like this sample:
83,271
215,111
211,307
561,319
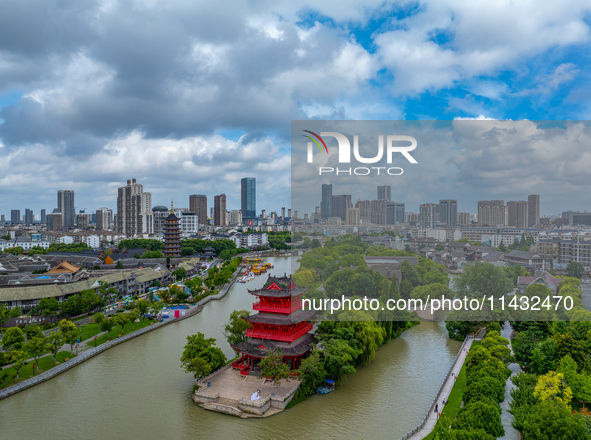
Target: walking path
506,417
425,428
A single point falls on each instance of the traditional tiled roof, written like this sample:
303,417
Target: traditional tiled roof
279,287
545,277
263,348
273,318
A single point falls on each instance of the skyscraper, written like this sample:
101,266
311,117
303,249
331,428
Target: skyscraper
219,210
385,192
15,216
134,210
517,214
448,212
29,217
492,213
326,202
43,217
103,218
533,210
427,215
198,205
65,205
248,198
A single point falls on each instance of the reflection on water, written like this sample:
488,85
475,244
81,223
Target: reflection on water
138,390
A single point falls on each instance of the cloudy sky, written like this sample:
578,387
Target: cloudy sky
188,97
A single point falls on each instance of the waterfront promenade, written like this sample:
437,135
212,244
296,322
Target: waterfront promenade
425,428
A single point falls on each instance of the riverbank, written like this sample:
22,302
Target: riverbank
105,345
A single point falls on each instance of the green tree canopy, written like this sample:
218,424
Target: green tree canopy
201,357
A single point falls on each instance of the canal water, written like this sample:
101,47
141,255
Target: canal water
138,390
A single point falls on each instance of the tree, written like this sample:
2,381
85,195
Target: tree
553,388
580,383
575,270
164,295
482,279
133,316
312,373
143,306
13,339
480,415
32,330
19,359
180,273
54,343
119,265
36,347
121,319
235,330
69,332
546,421
47,306
273,367
201,357
99,318
3,313
107,325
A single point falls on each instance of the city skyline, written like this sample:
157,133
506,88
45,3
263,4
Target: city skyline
192,114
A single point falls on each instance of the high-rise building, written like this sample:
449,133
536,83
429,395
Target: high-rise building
54,221
492,213
385,192
29,218
283,213
448,212
198,205
353,217
463,219
517,213
134,210
65,205
2,219
248,198
219,210
104,218
43,217
533,210
340,204
82,220
15,216
394,213
235,217
326,202
427,215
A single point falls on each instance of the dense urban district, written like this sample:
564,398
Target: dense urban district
70,282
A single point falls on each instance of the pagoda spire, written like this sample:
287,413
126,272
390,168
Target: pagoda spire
171,207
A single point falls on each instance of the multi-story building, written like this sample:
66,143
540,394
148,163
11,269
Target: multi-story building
463,219
104,218
189,223
65,205
427,215
448,212
82,220
15,216
220,217
353,217
235,217
248,198
54,221
340,204
43,218
533,210
134,210
198,205
492,213
29,217
326,202
517,214
385,192
579,218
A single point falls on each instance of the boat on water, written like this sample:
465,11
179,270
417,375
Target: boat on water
328,388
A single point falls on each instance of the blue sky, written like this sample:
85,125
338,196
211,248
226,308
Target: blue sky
189,99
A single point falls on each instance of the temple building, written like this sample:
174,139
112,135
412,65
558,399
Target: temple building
172,235
280,324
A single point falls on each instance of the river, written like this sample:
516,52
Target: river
138,390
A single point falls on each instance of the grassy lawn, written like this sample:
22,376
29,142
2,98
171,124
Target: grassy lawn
88,331
27,371
117,331
455,399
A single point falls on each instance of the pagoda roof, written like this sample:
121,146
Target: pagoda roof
263,348
272,318
279,287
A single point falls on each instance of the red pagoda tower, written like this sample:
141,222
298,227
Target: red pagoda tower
280,324
172,235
